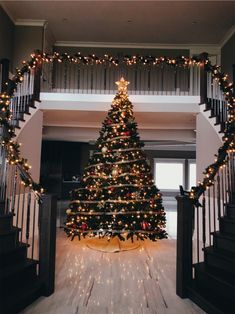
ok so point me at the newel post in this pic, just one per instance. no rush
(203, 78)
(185, 218)
(47, 242)
(37, 81)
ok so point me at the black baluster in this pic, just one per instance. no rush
(92, 78)
(65, 74)
(105, 76)
(78, 77)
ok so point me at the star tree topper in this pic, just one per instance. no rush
(122, 85)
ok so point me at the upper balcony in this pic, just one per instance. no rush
(77, 92)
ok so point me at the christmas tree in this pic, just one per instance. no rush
(117, 195)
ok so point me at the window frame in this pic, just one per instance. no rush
(170, 161)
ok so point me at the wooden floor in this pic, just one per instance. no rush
(141, 281)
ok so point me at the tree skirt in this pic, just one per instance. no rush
(113, 245)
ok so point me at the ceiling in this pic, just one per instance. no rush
(158, 22)
(145, 120)
(76, 125)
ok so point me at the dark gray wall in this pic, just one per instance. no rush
(6, 35)
(26, 40)
(228, 56)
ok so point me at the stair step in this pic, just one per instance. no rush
(14, 256)
(9, 239)
(6, 222)
(210, 303)
(17, 276)
(214, 282)
(16, 301)
(223, 260)
(227, 225)
(230, 211)
(223, 241)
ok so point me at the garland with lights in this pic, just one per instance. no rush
(37, 58)
(117, 196)
(11, 147)
(229, 133)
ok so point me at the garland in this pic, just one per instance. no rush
(228, 138)
(38, 58)
(92, 59)
(11, 147)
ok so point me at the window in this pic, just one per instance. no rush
(192, 174)
(169, 174)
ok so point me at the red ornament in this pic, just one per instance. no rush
(109, 121)
(127, 133)
(145, 225)
(84, 226)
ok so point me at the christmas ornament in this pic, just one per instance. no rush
(114, 172)
(68, 211)
(84, 226)
(104, 149)
(145, 225)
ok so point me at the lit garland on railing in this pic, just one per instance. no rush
(228, 138)
(92, 59)
(11, 147)
(181, 61)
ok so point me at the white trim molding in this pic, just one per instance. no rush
(227, 36)
(29, 22)
(195, 47)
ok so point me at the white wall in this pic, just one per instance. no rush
(207, 144)
(31, 139)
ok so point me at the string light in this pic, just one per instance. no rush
(37, 58)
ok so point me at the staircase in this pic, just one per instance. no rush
(20, 113)
(19, 282)
(27, 222)
(206, 220)
(213, 287)
(217, 109)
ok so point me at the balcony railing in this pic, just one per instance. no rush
(149, 79)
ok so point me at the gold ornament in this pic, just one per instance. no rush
(104, 149)
(114, 172)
